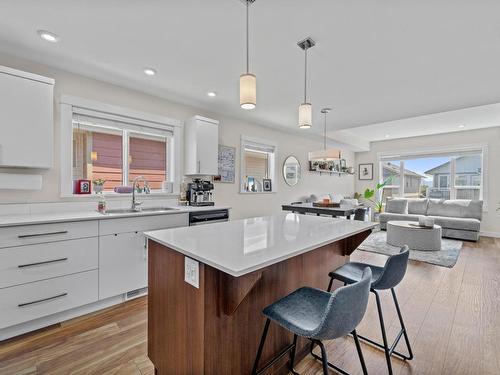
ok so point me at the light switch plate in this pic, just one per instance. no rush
(192, 272)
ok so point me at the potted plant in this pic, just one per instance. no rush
(374, 196)
(98, 185)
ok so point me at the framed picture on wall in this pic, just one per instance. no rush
(365, 171)
(266, 184)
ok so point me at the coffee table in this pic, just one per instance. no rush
(400, 233)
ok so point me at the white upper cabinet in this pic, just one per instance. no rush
(201, 146)
(26, 119)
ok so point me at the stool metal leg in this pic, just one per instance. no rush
(290, 348)
(384, 336)
(402, 332)
(329, 289)
(360, 353)
(292, 356)
(324, 358)
(403, 329)
(261, 346)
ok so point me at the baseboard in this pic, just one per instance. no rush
(490, 234)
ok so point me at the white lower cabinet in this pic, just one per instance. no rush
(123, 263)
(25, 264)
(123, 258)
(30, 301)
(48, 269)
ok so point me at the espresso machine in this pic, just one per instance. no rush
(199, 193)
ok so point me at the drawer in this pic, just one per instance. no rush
(143, 223)
(26, 302)
(40, 233)
(25, 264)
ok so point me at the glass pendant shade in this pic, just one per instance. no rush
(305, 115)
(248, 91)
(324, 155)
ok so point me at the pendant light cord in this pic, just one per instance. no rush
(324, 141)
(248, 53)
(305, 75)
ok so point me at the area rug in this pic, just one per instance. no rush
(446, 257)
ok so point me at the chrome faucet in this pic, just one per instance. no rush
(136, 206)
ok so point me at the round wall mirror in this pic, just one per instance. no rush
(291, 171)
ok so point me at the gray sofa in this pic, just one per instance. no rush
(459, 218)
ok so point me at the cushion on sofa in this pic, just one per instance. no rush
(417, 206)
(461, 208)
(389, 216)
(397, 206)
(457, 223)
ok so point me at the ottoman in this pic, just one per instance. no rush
(409, 233)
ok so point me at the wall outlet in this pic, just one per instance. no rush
(192, 272)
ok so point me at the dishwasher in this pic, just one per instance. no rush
(208, 217)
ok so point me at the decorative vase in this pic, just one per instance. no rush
(376, 216)
(98, 188)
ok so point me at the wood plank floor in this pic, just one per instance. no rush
(452, 315)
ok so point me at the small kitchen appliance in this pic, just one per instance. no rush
(199, 193)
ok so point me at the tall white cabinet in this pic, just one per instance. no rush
(26, 119)
(201, 149)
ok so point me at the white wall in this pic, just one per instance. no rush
(490, 136)
(229, 135)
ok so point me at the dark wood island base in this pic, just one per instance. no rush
(215, 330)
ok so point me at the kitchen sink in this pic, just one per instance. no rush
(157, 209)
(118, 211)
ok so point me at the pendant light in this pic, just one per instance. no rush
(248, 81)
(326, 154)
(305, 109)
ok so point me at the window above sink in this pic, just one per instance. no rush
(116, 145)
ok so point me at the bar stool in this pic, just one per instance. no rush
(384, 278)
(318, 315)
(360, 213)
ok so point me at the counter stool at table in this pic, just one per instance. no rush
(318, 315)
(383, 278)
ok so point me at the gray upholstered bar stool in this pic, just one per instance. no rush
(383, 278)
(360, 213)
(318, 315)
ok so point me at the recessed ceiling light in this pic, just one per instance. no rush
(387, 136)
(149, 71)
(461, 126)
(212, 94)
(48, 36)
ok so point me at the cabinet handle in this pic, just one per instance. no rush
(42, 263)
(42, 300)
(145, 249)
(41, 234)
(199, 166)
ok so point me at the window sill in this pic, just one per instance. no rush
(114, 195)
(258, 192)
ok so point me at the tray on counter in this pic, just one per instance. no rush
(326, 205)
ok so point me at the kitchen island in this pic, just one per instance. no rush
(209, 284)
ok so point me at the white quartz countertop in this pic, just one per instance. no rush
(242, 246)
(56, 217)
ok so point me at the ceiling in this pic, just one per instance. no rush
(374, 61)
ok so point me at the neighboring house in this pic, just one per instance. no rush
(412, 181)
(467, 178)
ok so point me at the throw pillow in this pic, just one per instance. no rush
(396, 206)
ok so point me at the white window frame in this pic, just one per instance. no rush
(481, 148)
(70, 105)
(255, 143)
